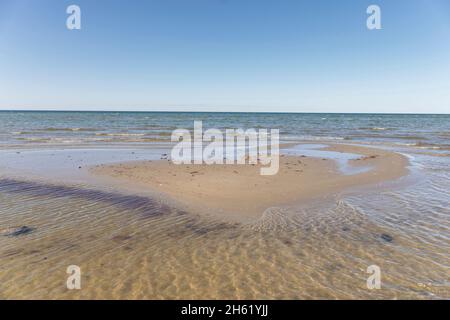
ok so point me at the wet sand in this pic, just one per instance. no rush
(131, 246)
(240, 192)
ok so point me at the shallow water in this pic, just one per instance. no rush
(341, 158)
(134, 246)
(131, 246)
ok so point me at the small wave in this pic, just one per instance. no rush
(152, 140)
(34, 139)
(51, 129)
(432, 146)
(315, 138)
(378, 136)
(422, 145)
(85, 129)
(56, 140)
(375, 128)
(121, 134)
(131, 140)
(155, 127)
(379, 128)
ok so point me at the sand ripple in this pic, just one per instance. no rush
(136, 247)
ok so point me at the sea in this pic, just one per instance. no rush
(132, 246)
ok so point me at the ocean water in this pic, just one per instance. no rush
(134, 246)
(71, 128)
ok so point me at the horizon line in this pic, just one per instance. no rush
(198, 111)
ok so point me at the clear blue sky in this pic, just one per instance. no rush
(226, 55)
